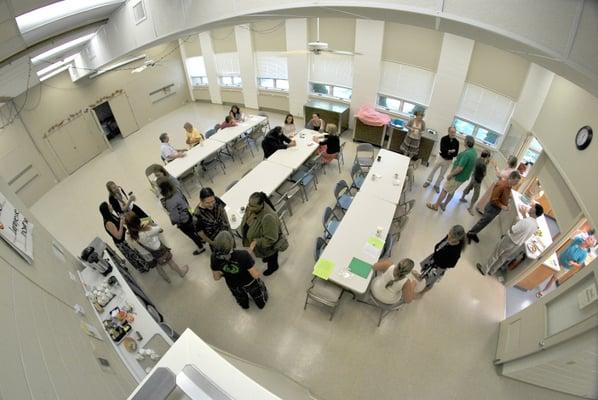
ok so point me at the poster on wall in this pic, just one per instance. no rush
(15, 229)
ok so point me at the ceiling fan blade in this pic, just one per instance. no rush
(342, 52)
(291, 52)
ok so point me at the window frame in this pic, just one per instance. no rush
(275, 81)
(401, 107)
(330, 90)
(203, 81)
(233, 85)
(477, 127)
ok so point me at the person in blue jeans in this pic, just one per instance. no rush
(574, 256)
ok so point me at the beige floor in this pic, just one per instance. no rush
(440, 347)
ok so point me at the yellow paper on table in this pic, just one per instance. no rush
(323, 268)
(376, 242)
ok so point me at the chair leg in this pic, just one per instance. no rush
(339, 165)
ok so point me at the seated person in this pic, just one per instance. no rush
(573, 257)
(228, 122)
(194, 137)
(235, 113)
(330, 145)
(289, 126)
(167, 152)
(276, 140)
(397, 284)
(316, 123)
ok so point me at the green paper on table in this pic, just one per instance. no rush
(359, 267)
(323, 268)
(376, 242)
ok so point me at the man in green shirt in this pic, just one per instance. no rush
(462, 168)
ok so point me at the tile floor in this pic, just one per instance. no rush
(439, 347)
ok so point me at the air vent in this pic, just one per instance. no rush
(139, 12)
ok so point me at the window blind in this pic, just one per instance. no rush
(485, 108)
(406, 82)
(227, 64)
(332, 69)
(196, 66)
(271, 65)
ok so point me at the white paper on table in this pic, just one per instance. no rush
(371, 252)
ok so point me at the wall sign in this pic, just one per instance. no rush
(15, 229)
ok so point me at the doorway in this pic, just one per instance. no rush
(107, 121)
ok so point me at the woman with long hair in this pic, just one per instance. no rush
(288, 128)
(416, 127)
(115, 227)
(122, 202)
(235, 113)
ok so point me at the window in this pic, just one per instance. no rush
(396, 105)
(229, 72)
(488, 112)
(339, 92)
(331, 76)
(533, 151)
(271, 69)
(410, 85)
(197, 71)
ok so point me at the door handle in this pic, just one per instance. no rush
(541, 344)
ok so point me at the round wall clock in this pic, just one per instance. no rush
(583, 137)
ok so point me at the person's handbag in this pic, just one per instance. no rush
(282, 243)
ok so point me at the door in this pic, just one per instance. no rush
(123, 113)
(66, 151)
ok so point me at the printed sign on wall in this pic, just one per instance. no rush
(15, 229)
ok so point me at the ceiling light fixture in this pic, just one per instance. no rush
(117, 65)
(62, 48)
(55, 72)
(58, 64)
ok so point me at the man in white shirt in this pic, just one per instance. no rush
(517, 235)
(167, 152)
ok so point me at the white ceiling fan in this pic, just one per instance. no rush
(319, 47)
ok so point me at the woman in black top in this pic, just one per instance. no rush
(115, 227)
(330, 145)
(275, 140)
(235, 112)
(121, 202)
(446, 255)
(210, 216)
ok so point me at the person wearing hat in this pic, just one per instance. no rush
(239, 271)
(416, 126)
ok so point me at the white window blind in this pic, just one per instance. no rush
(196, 66)
(271, 65)
(485, 108)
(227, 64)
(406, 82)
(332, 69)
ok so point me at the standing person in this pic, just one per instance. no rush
(178, 210)
(316, 123)
(160, 172)
(498, 201)
(239, 271)
(479, 172)
(194, 137)
(516, 236)
(461, 171)
(167, 152)
(276, 140)
(500, 176)
(235, 112)
(416, 126)
(288, 128)
(397, 284)
(228, 122)
(122, 202)
(147, 236)
(210, 216)
(261, 231)
(573, 257)
(115, 227)
(449, 148)
(445, 256)
(330, 145)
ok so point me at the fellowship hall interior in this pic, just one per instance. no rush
(326, 200)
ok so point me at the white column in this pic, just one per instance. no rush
(534, 92)
(369, 36)
(296, 34)
(450, 80)
(247, 65)
(187, 77)
(209, 58)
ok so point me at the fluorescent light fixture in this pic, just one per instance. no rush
(55, 11)
(117, 65)
(58, 64)
(55, 72)
(62, 48)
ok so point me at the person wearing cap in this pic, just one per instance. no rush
(516, 236)
(239, 271)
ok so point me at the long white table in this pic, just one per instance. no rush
(194, 156)
(365, 216)
(265, 177)
(295, 156)
(385, 185)
(227, 135)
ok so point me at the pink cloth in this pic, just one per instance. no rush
(369, 116)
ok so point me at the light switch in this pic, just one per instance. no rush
(587, 296)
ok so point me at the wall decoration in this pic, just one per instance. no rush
(15, 229)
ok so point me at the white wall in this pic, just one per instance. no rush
(533, 94)
(296, 34)
(247, 65)
(210, 62)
